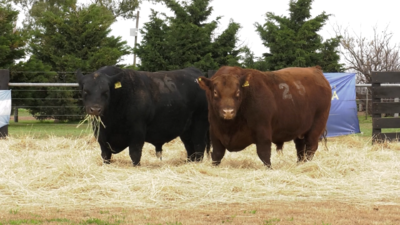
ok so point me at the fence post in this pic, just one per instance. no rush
(396, 114)
(16, 114)
(366, 104)
(376, 131)
(4, 79)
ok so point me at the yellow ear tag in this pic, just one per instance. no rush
(246, 84)
(200, 79)
(118, 85)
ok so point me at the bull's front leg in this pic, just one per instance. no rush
(135, 152)
(264, 152)
(218, 151)
(263, 145)
(136, 146)
(105, 152)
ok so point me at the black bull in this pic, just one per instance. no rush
(153, 107)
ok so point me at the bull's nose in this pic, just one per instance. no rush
(228, 113)
(95, 110)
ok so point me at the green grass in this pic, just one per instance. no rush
(46, 128)
(366, 127)
(43, 129)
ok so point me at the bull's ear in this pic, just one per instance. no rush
(245, 80)
(79, 76)
(204, 83)
(116, 79)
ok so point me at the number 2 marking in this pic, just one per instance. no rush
(285, 88)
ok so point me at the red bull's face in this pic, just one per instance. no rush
(224, 93)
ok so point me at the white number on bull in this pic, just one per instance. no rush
(300, 87)
(166, 85)
(285, 88)
(161, 85)
(170, 84)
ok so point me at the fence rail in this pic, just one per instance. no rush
(43, 84)
(380, 91)
(382, 87)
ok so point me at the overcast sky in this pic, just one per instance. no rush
(357, 15)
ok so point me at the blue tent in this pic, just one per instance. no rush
(343, 114)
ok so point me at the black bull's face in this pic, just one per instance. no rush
(96, 88)
(225, 93)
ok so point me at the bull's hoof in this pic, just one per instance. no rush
(195, 158)
(216, 163)
(159, 155)
(106, 161)
(136, 164)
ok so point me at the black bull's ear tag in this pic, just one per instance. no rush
(118, 85)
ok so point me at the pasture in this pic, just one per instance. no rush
(60, 179)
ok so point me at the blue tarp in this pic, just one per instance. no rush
(343, 114)
(5, 107)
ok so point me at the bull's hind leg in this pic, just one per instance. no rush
(279, 148)
(311, 141)
(300, 148)
(158, 150)
(195, 145)
(195, 137)
(313, 135)
(311, 148)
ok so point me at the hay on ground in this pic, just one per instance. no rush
(62, 172)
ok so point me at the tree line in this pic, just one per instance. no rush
(59, 36)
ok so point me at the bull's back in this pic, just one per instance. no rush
(300, 96)
(177, 97)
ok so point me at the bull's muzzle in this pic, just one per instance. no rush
(228, 114)
(94, 110)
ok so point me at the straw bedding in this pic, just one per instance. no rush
(68, 173)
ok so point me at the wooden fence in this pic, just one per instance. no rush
(380, 92)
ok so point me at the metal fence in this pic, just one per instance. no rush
(363, 102)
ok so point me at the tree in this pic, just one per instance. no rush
(12, 41)
(119, 8)
(63, 39)
(365, 55)
(186, 39)
(294, 41)
(252, 62)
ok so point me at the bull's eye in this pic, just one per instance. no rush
(85, 92)
(105, 93)
(215, 93)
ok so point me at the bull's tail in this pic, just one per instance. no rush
(323, 136)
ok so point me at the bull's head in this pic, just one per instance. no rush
(96, 90)
(225, 93)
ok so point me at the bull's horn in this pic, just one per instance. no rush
(78, 74)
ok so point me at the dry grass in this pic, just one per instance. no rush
(68, 173)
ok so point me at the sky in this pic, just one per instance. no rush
(358, 16)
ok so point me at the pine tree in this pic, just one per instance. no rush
(66, 37)
(12, 41)
(294, 40)
(187, 39)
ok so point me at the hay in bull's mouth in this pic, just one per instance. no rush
(93, 123)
